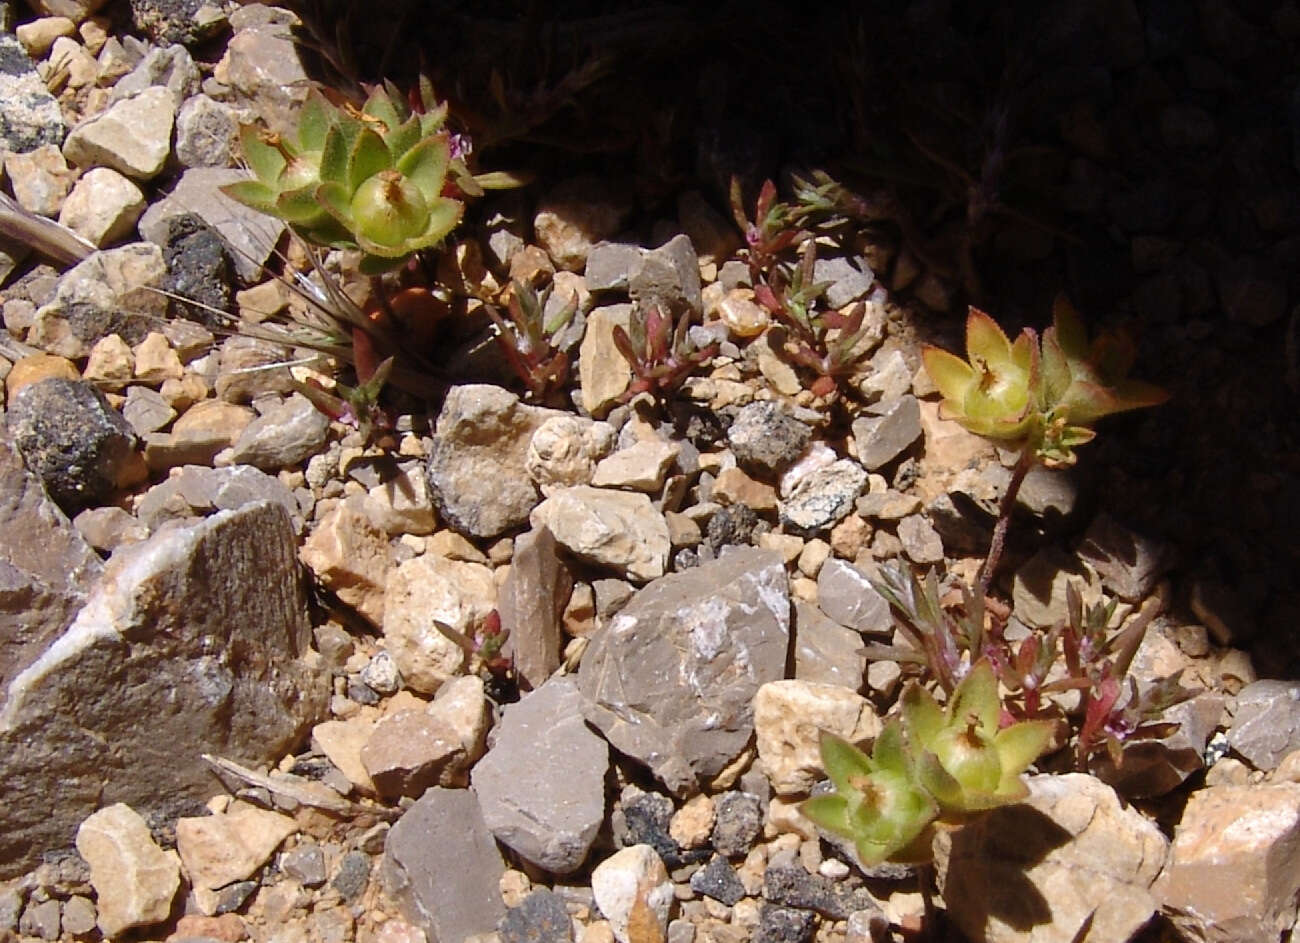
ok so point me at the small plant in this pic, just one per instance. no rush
(483, 649)
(528, 340)
(827, 342)
(660, 353)
(1046, 396)
(937, 764)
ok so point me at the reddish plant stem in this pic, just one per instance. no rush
(1005, 510)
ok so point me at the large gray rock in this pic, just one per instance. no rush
(846, 595)
(46, 568)
(477, 474)
(188, 645)
(670, 679)
(1066, 863)
(442, 867)
(1267, 723)
(542, 785)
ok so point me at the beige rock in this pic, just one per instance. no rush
(743, 316)
(103, 207)
(461, 704)
(133, 136)
(788, 718)
(401, 505)
(407, 752)
(36, 367)
(639, 467)
(134, 880)
(183, 393)
(39, 35)
(220, 849)
(574, 216)
(449, 544)
(733, 486)
(72, 60)
(948, 449)
(111, 362)
(262, 301)
(602, 371)
(1068, 858)
(40, 178)
(351, 556)
(789, 546)
(692, 824)
(156, 361)
(615, 528)
(1234, 869)
(426, 590)
(630, 886)
(342, 742)
(205, 429)
(565, 449)
(1038, 591)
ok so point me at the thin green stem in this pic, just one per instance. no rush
(1005, 510)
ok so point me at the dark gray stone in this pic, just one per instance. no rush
(670, 679)
(792, 886)
(442, 867)
(31, 116)
(198, 267)
(731, 526)
(540, 918)
(718, 880)
(233, 896)
(784, 925)
(353, 875)
(737, 824)
(305, 863)
(173, 21)
(766, 439)
(72, 439)
(647, 817)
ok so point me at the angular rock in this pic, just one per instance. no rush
(670, 679)
(641, 466)
(846, 595)
(442, 867)
(46, 567)
(632, 890)
(191, 637)
(542, 785)
(476, 467)
(1266, 726)
(921, 542)
(407, 752)
(40, 179)
(1234, 867)
(766, 438)
(177, 21)
(428, 589)
(195, 491)
(619, 529)
(788, 716)
(135, 880)
(199, 267)
(738, 823)
(574, 216)
(207, 133)
(792, 886)
(784, 925)
(73, 440)
(850, 279)
(262, 68)
(400, 504)
(669, 277)
(603, 372)
(110, 292)
(531, 605)
(609, 265)
(31, 117)
(171, 68)
(1129, 565)
(1038, 589)
(102, 207)
(824, 651)
(351, 556)
(1155, 767)
(132, 137)
(284, 435)
(1067, 858)
(231, 846)
(823, 497)
(145, 409)
(886, 431)
(250, 235)
(541, 918)
(718, 880)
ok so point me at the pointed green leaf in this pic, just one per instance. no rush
(952, 375)
(252, 194)
(314, 121)
(266, 162)
(334, 156)
(922, 715)
(938, 782)
(830, 812)
(425, 165)
(985, 340)
(336, 201)
(403, 137)
(888, 752)
(976, 698)
(842, 761)
(368, 157)
(299, 206)
(381, 106)
(1055, 371)
(1022, 743)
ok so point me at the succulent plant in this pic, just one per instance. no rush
(963, 757)
(660, 354)
(877, 802)
(374, 178)
(1047, 394)
(528, 339)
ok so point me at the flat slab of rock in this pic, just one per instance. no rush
(134, 880)
(1267, 722)
(442, 867)
(670, 680)
(1234, 868)
(788, 716)
(542, 785)
(1067, 857)
(191, 638)
(477, 475)
(531, 604)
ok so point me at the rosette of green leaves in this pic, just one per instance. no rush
(960, 753)
(877, 802)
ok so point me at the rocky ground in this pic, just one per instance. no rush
(228, 712)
